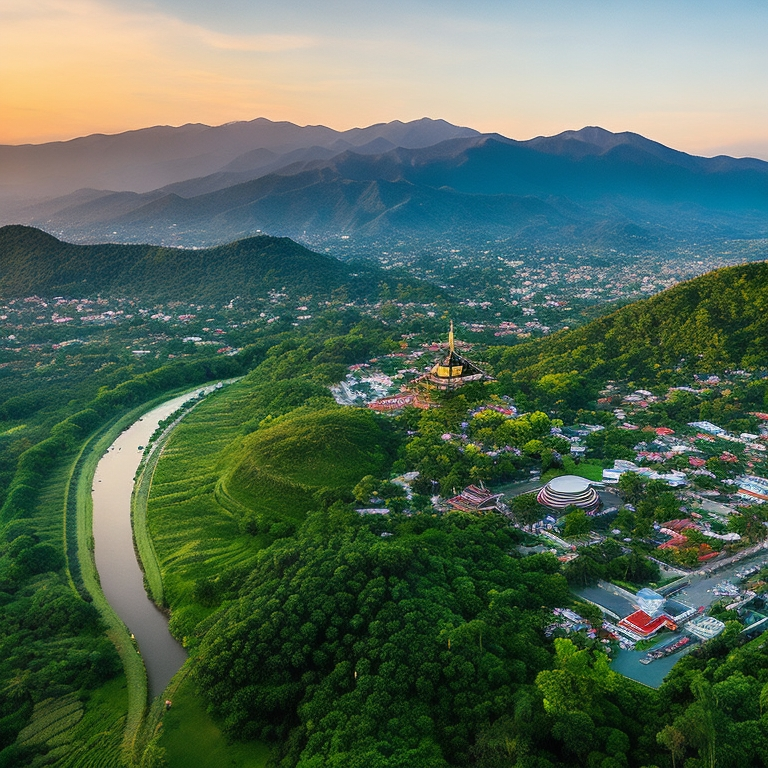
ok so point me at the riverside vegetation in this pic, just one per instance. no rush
(329, 638)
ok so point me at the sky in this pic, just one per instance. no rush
(691, 74)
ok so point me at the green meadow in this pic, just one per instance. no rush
(234, 476)
(190, 737)
(195, 537)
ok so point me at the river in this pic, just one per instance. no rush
(122, 580)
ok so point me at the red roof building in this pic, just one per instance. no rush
(678, 525)
(401, 400)
(640, 623)
(474, 499)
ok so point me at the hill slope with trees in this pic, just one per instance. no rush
(713, 322)
(33, 262)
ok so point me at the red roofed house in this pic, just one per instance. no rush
(678, 525)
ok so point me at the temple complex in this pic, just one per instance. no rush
(454, 370)
(448, 374)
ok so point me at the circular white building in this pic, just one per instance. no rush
(569, 491)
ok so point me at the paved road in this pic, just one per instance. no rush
(517, 489)
(700, 590)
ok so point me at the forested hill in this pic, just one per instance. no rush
(33, 262)
(713, 322)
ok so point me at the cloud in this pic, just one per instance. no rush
(251, 43)
(70, 67)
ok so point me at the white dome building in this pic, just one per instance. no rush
(569, 491)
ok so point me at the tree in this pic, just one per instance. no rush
(672, 739)
(583, 571)
(752, 523)
(631, 487)
(764, 700)
(533, 448)
(526, 509)
(589, 612)
(625, 521)
(549, 459)
(697, 723)
(367, 486)
(576, 523)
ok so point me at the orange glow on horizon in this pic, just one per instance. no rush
(76, 67)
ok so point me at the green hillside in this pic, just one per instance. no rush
(713, 322)
(305, 451)
(243, 469)
(33, 262)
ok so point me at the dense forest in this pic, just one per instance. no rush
(424, 648)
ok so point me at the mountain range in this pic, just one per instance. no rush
(426, 178)
(149, 158)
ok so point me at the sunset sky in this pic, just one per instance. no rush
(691, 74)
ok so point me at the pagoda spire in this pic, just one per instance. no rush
(450, 338)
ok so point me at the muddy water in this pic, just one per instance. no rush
(119, 571)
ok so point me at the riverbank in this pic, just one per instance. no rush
(145, 549)
(120, 575)
(80, 548)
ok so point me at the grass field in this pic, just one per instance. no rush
(212, 475)
(285, 462)
(591, 469)
(191, 738)
(194, 536)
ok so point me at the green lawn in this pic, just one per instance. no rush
(213, 474)
(591, 469)
(285, 462)
(192, 739)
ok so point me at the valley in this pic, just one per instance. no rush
(364, 563)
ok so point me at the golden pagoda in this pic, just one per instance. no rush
(454, 370)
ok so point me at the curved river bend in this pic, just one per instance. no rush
(122, 580)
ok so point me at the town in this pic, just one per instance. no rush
(659, 523)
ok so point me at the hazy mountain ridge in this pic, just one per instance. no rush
(149, 158)
(589, 186)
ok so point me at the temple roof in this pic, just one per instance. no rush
(454, 369)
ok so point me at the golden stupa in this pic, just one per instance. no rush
(454, 370)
